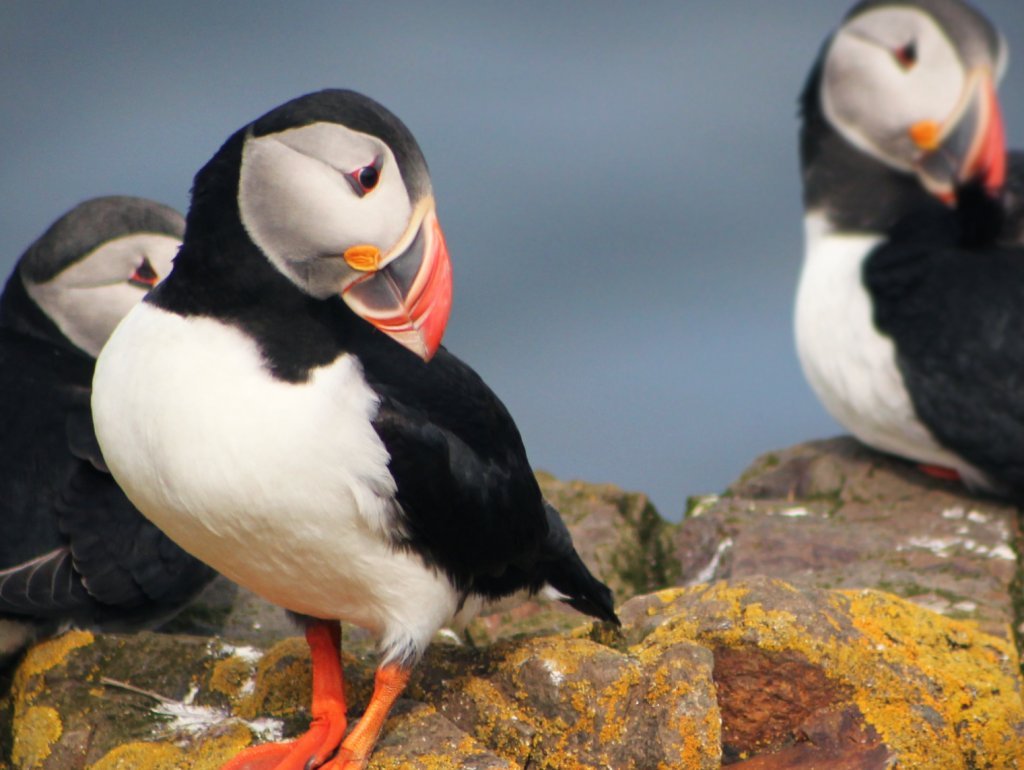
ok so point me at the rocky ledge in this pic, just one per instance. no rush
(833, 609)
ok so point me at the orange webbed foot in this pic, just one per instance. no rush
(940, 472)
(319, 743)
(354, 754)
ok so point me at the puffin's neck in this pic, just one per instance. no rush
(20, 313)
(219, 273)
(229, 279)
(854, 191)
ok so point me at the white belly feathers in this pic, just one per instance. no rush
(849, 364)
(248, 472)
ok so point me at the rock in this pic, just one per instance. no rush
(833, 514)
(786, 660)
(851, 678)
(756, 673)
(619, 535)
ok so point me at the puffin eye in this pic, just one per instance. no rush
(364, 179)
(144, 275)
(906, 56)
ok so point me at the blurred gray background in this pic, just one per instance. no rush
(617, 183)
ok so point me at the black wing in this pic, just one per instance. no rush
(953, 302)
(1012, 200)
(469, 500)
(73, 546)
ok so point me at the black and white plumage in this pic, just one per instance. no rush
(73, 549)
(912, 273)
(295, 428)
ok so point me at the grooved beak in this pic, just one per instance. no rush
(969, 147)
(407, 294)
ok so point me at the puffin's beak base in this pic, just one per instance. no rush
(410, 297)
(970, 146)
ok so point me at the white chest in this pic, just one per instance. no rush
(848, 363)
(282, 487)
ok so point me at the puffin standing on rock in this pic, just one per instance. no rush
(73, 550)
(910, 309)
(282, 408)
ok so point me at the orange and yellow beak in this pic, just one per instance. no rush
(968, 147)
(407, 294)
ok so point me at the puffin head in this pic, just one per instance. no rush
(97, 261)
(913, 84)
(335, 192)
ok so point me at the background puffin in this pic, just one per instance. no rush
(72, 548)
(911, 297)
(298, 426)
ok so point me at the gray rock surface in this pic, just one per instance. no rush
(769, 653)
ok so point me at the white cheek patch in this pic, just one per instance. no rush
(302, 212)
(872, 100)
(88, 299)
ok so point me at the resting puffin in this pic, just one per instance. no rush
(911, 298)
(282, 408)
(73, 550)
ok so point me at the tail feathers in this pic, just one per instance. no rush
(580, 589)
(567, 574)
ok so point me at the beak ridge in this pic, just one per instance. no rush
(409, 297)
(970, 146)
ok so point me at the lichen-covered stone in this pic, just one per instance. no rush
(924, 690)
(419, 738)
(834, 514)
(754, 672)
(621, 538)
(564, 702)
(757, 673)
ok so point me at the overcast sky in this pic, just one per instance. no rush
(617, 183)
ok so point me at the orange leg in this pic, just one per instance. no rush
(313, 748)
(938, 472)
(388, 684)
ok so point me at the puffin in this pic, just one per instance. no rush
(281, 407)
(73, 550)
(911, 292)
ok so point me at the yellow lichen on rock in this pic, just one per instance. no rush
(282, 681)
(35, 732)
(45, 656)
(938, 691)
(214, 752)
(53, 652)
(151, 756)
(230, 675)
(36, 728)
(210, 754)
(969, 680)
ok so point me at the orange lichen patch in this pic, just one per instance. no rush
(35, 732)
(283, 682)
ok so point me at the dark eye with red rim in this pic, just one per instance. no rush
(907, 55)
(144, 276)
(365, 179)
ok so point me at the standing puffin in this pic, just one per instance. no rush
(282, 408)
(911, 300)
(73, 550)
